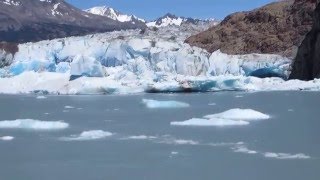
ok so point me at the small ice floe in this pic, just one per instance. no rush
(6, 138)
(65, 111)
(210, 122)
(68, 107)
(240, 114)
(290, 110)
(88, 135)
(170, 140)
(233, 117)
(41, 97)
(152, 104)
(212, 104)
(174, 153)
(31, 124)
(285, 156)
(141, 137)
(238, 96)
(241, 148)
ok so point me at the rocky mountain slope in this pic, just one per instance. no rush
(34, 20)
(307, 63)
(276, 28)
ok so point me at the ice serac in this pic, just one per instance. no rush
(306, 65)
(277, 28)
(86, 66)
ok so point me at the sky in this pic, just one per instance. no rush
(152, 9)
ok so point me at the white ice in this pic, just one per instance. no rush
(232, 117)
(31, 124)
(210, 122)
(41, 97)
(286, 156)
(158, 61)
(152, 104)
(241, 148)
(88, 135)
(141, 137)
(240, 114)
(6, 138)
(68, 107)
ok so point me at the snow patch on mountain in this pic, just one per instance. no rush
(113, 14)
(172, 20)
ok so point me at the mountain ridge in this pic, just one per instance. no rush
(34, 20)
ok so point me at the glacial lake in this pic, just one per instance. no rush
(139, 142)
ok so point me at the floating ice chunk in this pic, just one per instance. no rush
(212, 104)
(141, 137)
(6, 138)
(233, 117)
(164, 104)
(41, 97)
(210, 122)
(68, 107)
(285, 156)
(33, 124)
(174, 153)
(88, 135)
(240, 148)
(240, 114)
(169, 140)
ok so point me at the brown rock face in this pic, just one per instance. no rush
(276, 28)
(306, 65)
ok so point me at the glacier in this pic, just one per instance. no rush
(132, 61)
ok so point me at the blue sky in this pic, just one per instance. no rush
(151, 9)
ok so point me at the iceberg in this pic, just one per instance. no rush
(141, 137)
(6, 138)
(210, 122)
(232, 117)
(31, 124)
(88, 135)
(286, 156)
(240, 114)
(152, 104)
(41, 97)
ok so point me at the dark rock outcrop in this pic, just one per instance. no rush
(7, 52)
(306, 65)
(277, 28)
(35, 20)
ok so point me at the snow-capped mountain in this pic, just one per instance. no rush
(173, 20)
(20, 19)
(114, 14)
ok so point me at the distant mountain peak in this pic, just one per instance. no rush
(170, 19)
(113, 14)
